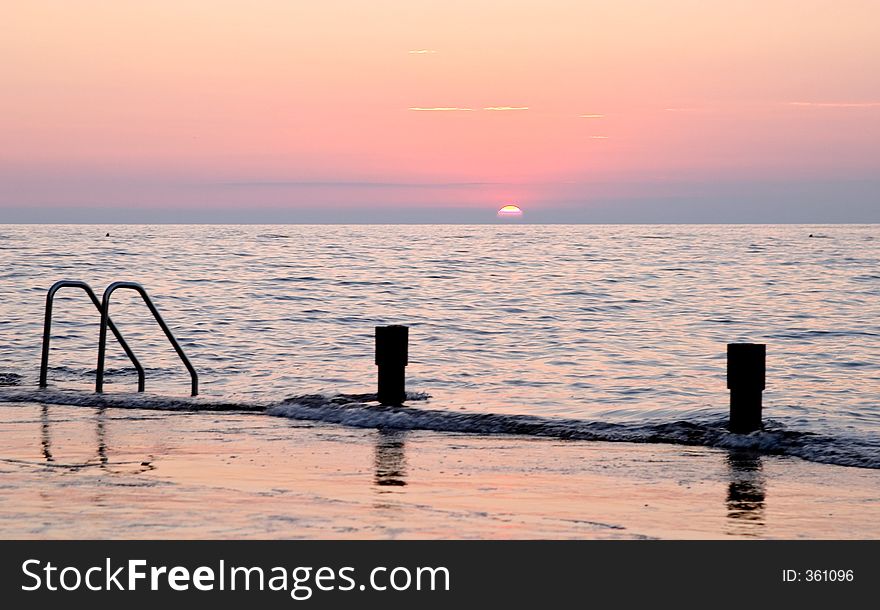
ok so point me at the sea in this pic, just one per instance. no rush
(577, 332)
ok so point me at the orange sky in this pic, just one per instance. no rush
(284, 103)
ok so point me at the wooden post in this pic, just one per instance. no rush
(746, 373)
(392, 358)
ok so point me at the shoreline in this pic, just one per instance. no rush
(84, 472)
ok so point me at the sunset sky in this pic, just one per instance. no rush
(286, 110)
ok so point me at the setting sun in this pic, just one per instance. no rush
(510, 210)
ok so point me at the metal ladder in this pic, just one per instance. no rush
(104, 307)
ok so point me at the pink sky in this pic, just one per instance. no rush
(283, 104)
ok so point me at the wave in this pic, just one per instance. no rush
(774, 439)
(362, 411)
(10, 379)
(125, 401)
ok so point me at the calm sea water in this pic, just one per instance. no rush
(608, 332)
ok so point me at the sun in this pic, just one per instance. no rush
(510, 211)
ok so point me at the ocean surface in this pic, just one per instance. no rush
(578, 332)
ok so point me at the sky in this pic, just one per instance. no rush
(439, 111)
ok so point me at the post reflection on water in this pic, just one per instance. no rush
(746, 493)
(390, 458)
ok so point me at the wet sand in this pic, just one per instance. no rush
(81, 472)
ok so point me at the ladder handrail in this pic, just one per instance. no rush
(105, 322)
(47, 330)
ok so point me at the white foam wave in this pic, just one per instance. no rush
(362, 411)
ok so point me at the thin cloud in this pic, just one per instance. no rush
(354, 184)
(441, 109)
(421, 51)
(505, 108)
(598, 137)
(837, 104)
(591, 116)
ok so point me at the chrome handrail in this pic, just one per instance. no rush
(105, 322)
(47, 330)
